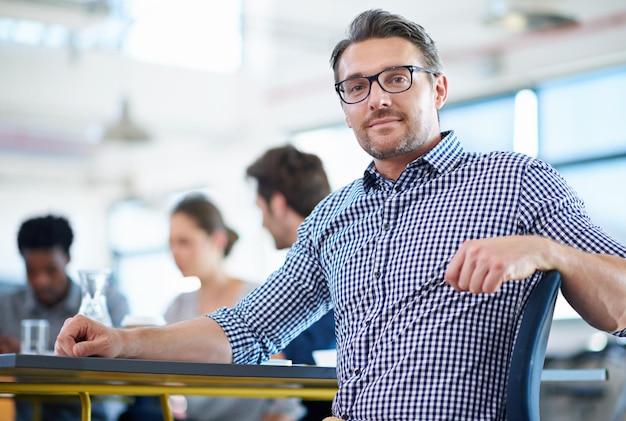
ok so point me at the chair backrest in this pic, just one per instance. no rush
(529, 351)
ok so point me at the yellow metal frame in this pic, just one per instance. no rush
(85, 390)
(317, 393)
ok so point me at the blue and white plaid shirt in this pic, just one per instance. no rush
(409, 346)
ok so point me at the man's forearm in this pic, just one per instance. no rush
(594, 285)
(179, 342)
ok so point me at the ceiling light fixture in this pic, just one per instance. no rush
(125, 128)
(525, 16)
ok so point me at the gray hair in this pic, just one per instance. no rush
(378, 23)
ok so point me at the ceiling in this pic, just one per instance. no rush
(306, 32)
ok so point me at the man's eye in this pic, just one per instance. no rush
(396, 80)
(355, 87)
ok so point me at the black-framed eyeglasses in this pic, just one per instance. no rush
(393, 80)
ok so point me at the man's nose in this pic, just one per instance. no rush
(40, 279)
(378, 97)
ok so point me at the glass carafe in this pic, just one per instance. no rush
(94, 303)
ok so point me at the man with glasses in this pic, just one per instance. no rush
(427, 260)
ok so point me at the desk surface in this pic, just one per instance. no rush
(19, 373)
(49, 374)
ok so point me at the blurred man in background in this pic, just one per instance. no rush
(289, 185)
(44, 244)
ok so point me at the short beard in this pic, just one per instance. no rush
(408, 143)
(404, 146)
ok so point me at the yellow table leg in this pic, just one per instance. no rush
(85, 405)
(37, 409)
(165, 408)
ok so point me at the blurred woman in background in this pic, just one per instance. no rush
(200, 241)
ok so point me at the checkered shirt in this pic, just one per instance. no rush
(409, 346)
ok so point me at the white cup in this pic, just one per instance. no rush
(325, 357)
(34, 339)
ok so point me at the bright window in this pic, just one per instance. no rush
(203, 35)
(482, 126)
(583, 117)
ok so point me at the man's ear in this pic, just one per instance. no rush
(441, 91)
(65, 254)
(348, 122)
(278, 204)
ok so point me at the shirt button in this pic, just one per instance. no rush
(368, 322)
(397, 188)
(357, 371)
(345, 416)
(386, 226)
(377, 274)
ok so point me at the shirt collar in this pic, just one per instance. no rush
(443, 158)
(445, 155)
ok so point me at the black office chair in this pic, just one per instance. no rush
(529, 351)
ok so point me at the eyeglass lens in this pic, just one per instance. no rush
(394, 80)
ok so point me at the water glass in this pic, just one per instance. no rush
(34, 338)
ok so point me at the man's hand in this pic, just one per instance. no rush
(483, 265)
(9, 345)
(83, 337)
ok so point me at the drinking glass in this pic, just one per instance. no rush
(34, 337)
(94, 283)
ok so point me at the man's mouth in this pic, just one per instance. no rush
(382, 118)
(383, 121)
(44, 296)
